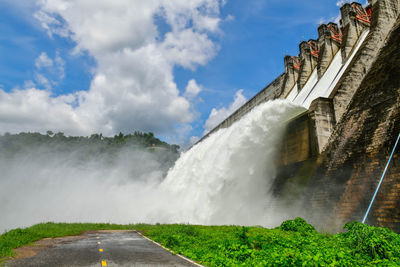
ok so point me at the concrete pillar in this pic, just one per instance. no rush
(297, 143)
(351, 27)
(292, 68)
(308, 63)
(323, 121)
(383, 12)
(329, 43)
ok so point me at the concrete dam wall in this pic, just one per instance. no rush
(333, 155)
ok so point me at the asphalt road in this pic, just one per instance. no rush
(104, 248)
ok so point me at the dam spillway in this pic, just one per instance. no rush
(331, 156)
(317, 70)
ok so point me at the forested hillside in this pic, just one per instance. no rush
(89, 148)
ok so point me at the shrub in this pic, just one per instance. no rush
(376, 242)
(297, 225)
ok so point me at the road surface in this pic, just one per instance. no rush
(102, 248)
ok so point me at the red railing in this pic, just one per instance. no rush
(314, 49)
(336, 35)
(362, 14)
(296, 63)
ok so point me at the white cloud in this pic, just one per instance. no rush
(60, 65)
(43, 61)
(335, 19)
(340, 3)
(48, 67)
(192, 89)
(37, 111)
(207, 23)
(133, 85)
(52, 24)
(219, 115)
(229, 18)
(42, 81)
(188, 48)
(29, 84)
(203, 14)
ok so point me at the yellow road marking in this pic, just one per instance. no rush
(99, 243)
(103, 263)
(100, 249)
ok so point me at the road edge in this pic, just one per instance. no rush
(169, 250)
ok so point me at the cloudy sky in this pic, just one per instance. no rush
(173, 67)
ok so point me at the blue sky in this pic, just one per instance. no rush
(62, 71)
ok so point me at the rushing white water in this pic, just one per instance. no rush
(226, 178)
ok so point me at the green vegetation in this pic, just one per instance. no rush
(79, 150)
(12, 143)
(294, 243)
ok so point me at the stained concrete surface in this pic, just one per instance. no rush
(119, 248)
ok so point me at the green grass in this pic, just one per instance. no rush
(294, 243)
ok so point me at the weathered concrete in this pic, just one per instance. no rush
(307, 135)
(361, 145)
(292, 68)
(351, 27)
(384, 16)
(323, 121)
(298, 145)
(329, 45)
(308, 62)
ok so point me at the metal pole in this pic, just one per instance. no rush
(380, 182)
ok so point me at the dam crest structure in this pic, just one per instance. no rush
(348, 82)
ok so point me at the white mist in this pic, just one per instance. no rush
(225, 179)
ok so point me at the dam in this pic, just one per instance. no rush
(333, 154)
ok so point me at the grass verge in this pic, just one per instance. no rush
(294, 243)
